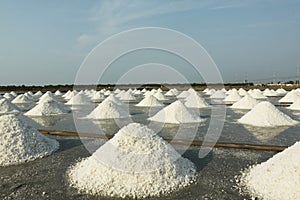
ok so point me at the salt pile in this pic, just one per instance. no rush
(98, 96)
(149, 101)
(266, 114)
(79, 99)
(108, 110)
(295, 105)
(176, 113)
(135, 163)
(269, 93)
(219, 94)
(7, 107)
(194, 100)
(58, 93)
(183, 94)
(277, 178)
(290, 97)
(172, 93)
(281, 92)
(8, 96)
(38, 94)
(48, 96)
(21, 143)
(160, 96)
(21, 99)
(233, 96)
(247, 102)
(242, 92)
(126, 96)
(47, 108)
(256, 94)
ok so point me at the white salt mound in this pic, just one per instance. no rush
(256, 94)
(247, 102)
(176, 113)
(295, 105)
(183, 94)
(135, 163)
(219, 94)
(8, 96)
(79, 99)
(277, 178)
(108, 110)
(21, 99)
(194, 100)
(149, 101)
(233, 96)
(20, 143)
(290, 97)
(160, 96)
(266, 114)
(6, 107)
(47, 108)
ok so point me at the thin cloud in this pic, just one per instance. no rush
(111, 17)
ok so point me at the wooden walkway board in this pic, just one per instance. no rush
(180, 142)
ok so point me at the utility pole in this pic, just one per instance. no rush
(298, 72)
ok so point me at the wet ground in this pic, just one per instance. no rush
(45, 178)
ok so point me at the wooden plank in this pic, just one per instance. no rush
(179, 142)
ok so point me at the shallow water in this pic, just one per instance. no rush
(45, 178)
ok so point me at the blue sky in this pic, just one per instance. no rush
(45, 42)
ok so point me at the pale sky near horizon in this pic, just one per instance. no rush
(45, 42)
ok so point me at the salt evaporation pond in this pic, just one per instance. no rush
(215, 173)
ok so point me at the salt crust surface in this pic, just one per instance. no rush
(266, 114)
(126, 148)
(20, 143)
(176, 113)
(277, 178)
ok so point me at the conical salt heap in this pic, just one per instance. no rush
(294, 106)
(290, 97)
(108, 110)
(160, 96)
(233, 96)
(149, 101)
(8, 96)
(48, 108)
(6, 107)
(98, 96)
(183, 94)
(266, 114)
(20, 143)
(79, 99)
(176, 113)
(135, 163)
(48, 96)
(194, 100)
(277, 178)
(126, 96)
(247, 102)
(21, 99)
